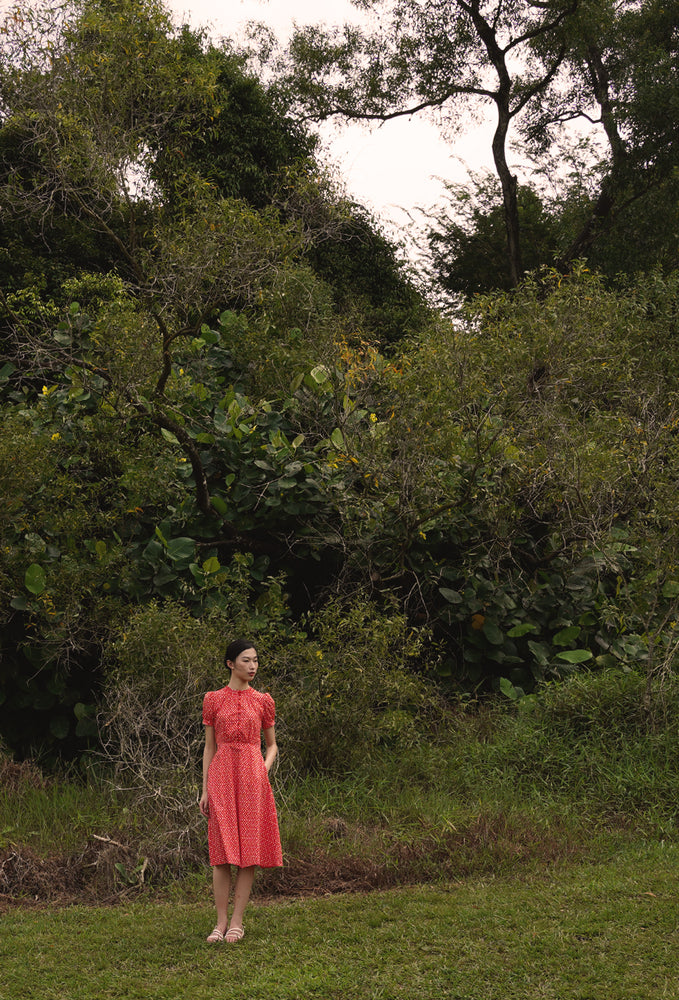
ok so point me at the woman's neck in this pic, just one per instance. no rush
(237, 685)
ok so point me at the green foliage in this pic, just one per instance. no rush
(352, 688)
(236, 135)
(200, 433)
(368, 280)
(614, 702)
(529, 446)
(467, 240)
(445, 60)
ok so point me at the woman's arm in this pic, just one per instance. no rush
(271, 747)
(208, 753)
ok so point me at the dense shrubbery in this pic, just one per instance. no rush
(203, 436)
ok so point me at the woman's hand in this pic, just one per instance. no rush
(204, 807)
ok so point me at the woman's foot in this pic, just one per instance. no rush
(234, 934)
(215, 936)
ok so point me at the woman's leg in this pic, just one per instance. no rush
(241, 894)
(221, 886)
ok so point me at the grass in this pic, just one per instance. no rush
(497, 790)
(64, 813)
(586, 931)
(526, 855)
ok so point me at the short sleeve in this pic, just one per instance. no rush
(209, 709)
(268, 712)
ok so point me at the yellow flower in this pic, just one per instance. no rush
(56, 436)
(373, 417)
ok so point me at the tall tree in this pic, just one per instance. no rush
(619, 75)
(542, 65)
(442, 58)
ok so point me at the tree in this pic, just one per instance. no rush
(370, 283)
(620, 75)
(173, 379)
(438, 58)
(467, 243)
(543, 65)
(115, 267)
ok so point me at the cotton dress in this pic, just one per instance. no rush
(242, 822)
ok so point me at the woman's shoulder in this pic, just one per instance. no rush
(212, 696)
(263, 698)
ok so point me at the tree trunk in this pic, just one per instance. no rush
(509, 201)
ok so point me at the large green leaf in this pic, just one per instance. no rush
(452, 596)
(337, 439)
(180, 548)
(320, 374)
(493, 633)
(523, 629)
(566, 636)
(35, 579)
(169, 436)
(574, 655)
(218, 505)
(540, 651)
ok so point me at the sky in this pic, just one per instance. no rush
(395, 168)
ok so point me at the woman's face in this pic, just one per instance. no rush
(244, 667)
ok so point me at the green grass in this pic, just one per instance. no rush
(581, 774)
(539, 855)
(60, 816)
(584, 931)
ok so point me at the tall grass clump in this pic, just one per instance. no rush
(595, 743)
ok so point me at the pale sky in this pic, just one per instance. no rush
(394, 168)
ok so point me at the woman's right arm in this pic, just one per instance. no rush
(208, 753)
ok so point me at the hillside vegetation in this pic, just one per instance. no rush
(229, 408)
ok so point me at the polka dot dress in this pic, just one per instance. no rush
(242, 825)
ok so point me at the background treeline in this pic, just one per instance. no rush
(229, 407)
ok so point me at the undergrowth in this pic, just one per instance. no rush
(503, 786)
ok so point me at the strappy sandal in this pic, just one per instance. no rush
(215, 936)
(234, 934)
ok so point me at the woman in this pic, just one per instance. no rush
(237, 797)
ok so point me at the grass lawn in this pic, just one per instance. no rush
(591, 931)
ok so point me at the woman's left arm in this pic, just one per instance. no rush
(271, 747)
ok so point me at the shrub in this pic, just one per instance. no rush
(615, 702)
(341, 695)
(352, 688)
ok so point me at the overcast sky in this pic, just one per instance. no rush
(392, 168)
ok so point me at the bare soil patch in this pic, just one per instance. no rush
(107, 870)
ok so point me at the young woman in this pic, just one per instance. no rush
(237, 797)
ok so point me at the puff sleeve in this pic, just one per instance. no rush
(209, 709)
(268, 712)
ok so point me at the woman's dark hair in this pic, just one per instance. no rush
(235, 648)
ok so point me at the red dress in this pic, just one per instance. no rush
(242, 824)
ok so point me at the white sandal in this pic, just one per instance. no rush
(234, 934)
(215, 936)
